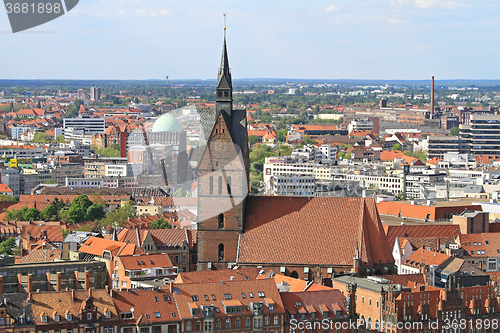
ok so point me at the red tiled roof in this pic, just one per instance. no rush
(304, 222)
(426, 257)
(234, 288)
(315, 302)
(239, 274)
(145, 304)
(145, 261)
(97, 246)
(4, 188)
(420, 231)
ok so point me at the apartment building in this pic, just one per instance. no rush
(482, 134)
(88, 125)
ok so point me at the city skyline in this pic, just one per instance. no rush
(385, 40)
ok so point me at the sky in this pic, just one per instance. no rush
(296, 39)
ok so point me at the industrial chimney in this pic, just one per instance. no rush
(432, 98)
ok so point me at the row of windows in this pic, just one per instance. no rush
(208, 325)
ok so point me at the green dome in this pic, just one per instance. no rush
(167, 123)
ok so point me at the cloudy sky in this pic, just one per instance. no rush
(314, 39)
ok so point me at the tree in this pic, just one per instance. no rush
(49, 181)
(32, 214)
(78, 210)
(60, 138)
(107, 152)
(129, 209)
(95, 212)
(397, 146)
(38, 105)
(308, 141)
(7, 245)
(49, 213)
(401, 196)
(253, 139)
(281, 135)
(116, 218)
(455, 131)
(160, 223)
(41, 137)
(8, 198)
(65, 233)
(58, 205)
(181, 193)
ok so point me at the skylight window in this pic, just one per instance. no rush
(166, 298)
(206, 297)
(213, 297)
(157, 299)
(194, 298)
(142, 262)
(227, 296)
(250, 294)
(298, 303)
(157, 315)
(261, 293)
(243, 295)
(151, 261)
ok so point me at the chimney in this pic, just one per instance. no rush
(30, 297)
(172, 287)
(432, 97)
(72, 293)
(90, 292)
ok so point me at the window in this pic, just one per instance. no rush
(228, 323)
(2, 321)
(266, 321)
(166, 298)
(370, 301)
(157, 299)
(227, 296)
(198, 326)
(260, 293)
(363, 300)
(194, 312)
(208, 326)
(250, 294)
(124, 284)
(89, 315)
(220, 185)
(298, 303)
(377, 304)
(213, 297)
(276, 321)
(188, 326)
(176, 258)
(57, 318)
(108, 314)
(217, 325)
(44, 319)
(247, 322)
(110, 330)
(194, 298)
(69, 317)
(220, 221)
(144, 330)
(157, 315)
(211, 185)
(237, 323)
(221, 252)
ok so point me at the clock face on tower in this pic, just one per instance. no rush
(220, 147)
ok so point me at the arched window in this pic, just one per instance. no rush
(211, 185)
(220, 185)
(221, 252)
(220, 221)
(229, 185)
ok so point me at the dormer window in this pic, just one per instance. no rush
(44, 319)
(326, 314)
(313, 315)
(302, 316)
(108, 314)
(69, 317)
(271, 307)
(57, 318)
(89, 315)
(194, 312)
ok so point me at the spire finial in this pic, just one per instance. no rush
(224, 26)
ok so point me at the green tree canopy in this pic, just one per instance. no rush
(41, 137)
(7, 245)
(160, 223)
(455, 131)
(95, 212)
(78, 210)
(397, 146)
(49, 213)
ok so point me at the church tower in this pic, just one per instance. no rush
(223, 171)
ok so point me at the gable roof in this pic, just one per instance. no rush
(145, 304)
(145, 261)
(420, 231)
(96, 246)
(301, 224)
(426, 257)
(317, 302)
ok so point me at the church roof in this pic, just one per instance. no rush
(319, 230)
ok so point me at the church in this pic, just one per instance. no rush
(309, 238)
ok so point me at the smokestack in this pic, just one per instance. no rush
(432, 97)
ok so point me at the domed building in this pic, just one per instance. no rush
(167, 123)
(167, 137)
